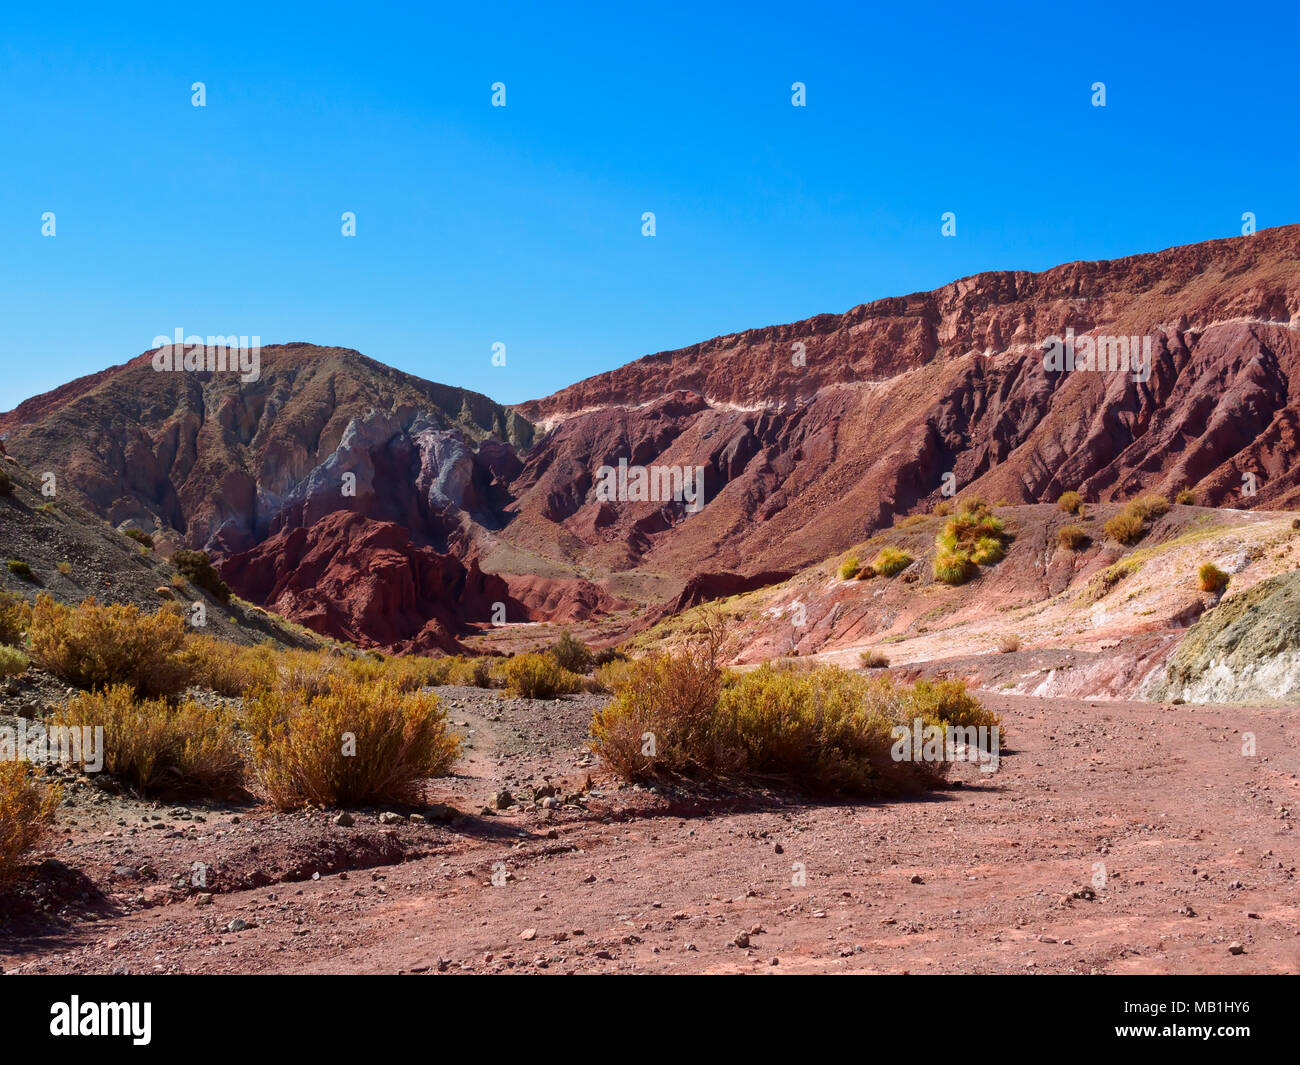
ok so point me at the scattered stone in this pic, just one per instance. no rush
(1236, 948)
(344, 820)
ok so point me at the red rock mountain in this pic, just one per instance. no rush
(813, 435)
(808, 437)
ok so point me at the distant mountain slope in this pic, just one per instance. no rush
(225, 463)
(802, 459)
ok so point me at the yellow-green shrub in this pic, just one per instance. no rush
(1127, 527)
(671, 698)
(1186, 497)
(27, 808)
(1211, 578)
(15, 617)
(1071, 502)
(954, 567)
(849, 568)
(1072, 537)
(12, 661)
(93, 646)
(157, 748)
(825, 729)
(1149, 507)
(357, 743)
(948, 701)
(891, 560)
(534, 676)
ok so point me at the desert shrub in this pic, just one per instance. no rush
(949, 701)
(1186, 497)
(65, 568)
(12, 661)
(942, 509)
(571, 653)
(873, 659)
(1072, 537)
(140, 537)
(19, 568)
(534, 676)
(1071, 502)
(197, 568)
(891, 560)
(671, 699)
(15, 617)
(226, 668)
(1211, 578)
(607, 655)
(849, 568)
(825, 729)
(1126, 527)
(27, 808)
(1149, 507)
(976, 506)
(1008, 643)
(954, 567)
(610, 675)
(355, 744)
(93, 646)
(189, 749)
(6, 485)
(476, 672)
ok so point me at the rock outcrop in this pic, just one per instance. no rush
(1247, 649)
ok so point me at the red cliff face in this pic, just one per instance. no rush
(815, 434)
(362, 580)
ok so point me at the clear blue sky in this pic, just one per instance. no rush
(523, 224)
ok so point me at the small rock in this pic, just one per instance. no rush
(344, 820)
(528, 934)
(742, 939)
(1236, 948)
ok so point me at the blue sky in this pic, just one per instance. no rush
(522, 224)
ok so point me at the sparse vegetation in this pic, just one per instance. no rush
(15, 616)
(534, 676)
(849, 568)
(972, 538)
(1149, 507)
(140, 537)
(27, 809)
(1070, 502)
(12, 661)
(891, 560)
(873, 659)
(190, 749)
(96, 646)
(1210, 578)
(1073, 537)
(1186, 497)
(19, 568)
(197, 568)
(65, 568)
(358, 742)
(821, 727)
(571, 654)
(1127, 527)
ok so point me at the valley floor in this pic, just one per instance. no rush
(1118, 837)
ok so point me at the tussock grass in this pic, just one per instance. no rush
(1210, 578)
(1070, 502)
(1073, 537)
(891, 560)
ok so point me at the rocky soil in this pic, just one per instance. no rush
(1117, 837)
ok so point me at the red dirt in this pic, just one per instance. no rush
(1195, 838)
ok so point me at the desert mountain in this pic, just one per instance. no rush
(423, 506)
(814, 435)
